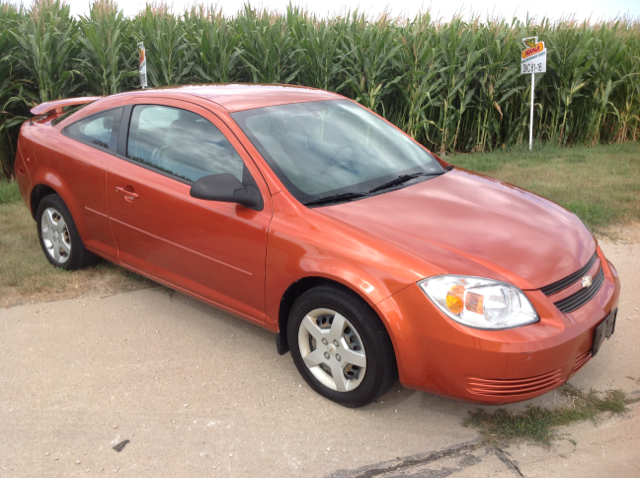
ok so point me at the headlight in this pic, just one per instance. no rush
(479, 302)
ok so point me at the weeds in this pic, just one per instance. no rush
(537, 423)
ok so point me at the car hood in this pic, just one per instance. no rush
(465, 223)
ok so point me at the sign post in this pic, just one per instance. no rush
(533, 60)
(142, 67)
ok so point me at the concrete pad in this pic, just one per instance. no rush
(198, 392)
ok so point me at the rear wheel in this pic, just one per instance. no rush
(340, 346)
(59, 237)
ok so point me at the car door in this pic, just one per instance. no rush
(211, 249)
(84, 163)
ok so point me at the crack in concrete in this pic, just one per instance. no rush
(389, 467)
(500, 454)
(401, 467)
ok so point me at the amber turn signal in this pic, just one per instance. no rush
(455, 299)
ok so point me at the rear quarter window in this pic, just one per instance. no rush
(99, 130)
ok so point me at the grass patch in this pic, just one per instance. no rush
(601, 184)
(26, 275)
(9, 192)
(537, 423)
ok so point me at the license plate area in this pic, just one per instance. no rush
(604, 331)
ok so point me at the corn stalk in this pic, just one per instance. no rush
(108, 55)
(453, 85)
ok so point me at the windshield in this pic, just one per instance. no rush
(329, 148)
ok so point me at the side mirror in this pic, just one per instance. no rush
(229, 189)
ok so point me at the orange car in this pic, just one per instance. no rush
(301, 211)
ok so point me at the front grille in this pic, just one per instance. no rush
(514, 387)
(569, 280)
(581, 361)
(573, 302)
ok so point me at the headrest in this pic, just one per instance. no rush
(107, 122)
(181, 132)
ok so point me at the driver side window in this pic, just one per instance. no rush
(180, 143)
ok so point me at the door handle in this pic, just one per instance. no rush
(128, 195)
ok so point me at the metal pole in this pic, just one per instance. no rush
(533, 85)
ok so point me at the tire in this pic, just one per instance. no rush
(59, 237)
(358, 350)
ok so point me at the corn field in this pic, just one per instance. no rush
(454, 86)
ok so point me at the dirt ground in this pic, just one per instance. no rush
(198, 392)
(628, 233)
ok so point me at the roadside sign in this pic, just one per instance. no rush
(534, 59)
(142, 68)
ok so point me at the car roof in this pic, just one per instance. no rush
(247, 96)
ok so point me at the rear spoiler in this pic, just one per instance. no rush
(57, 106)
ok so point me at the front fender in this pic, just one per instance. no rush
(303, 243)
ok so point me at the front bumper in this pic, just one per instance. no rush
(438, 355)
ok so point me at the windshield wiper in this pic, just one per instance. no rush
(402, 179)
(336, 198)
(359, 194)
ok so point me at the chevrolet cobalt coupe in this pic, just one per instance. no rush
(369, 257)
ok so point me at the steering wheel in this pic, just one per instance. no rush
(334, 154)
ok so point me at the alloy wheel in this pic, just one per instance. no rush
(55, 235)
(332, 350)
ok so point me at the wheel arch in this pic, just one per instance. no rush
(297, 289)
(37, 194)
(47, 182)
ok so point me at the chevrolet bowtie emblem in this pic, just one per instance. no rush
(587, 281)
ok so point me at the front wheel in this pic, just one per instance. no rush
(340, 346)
